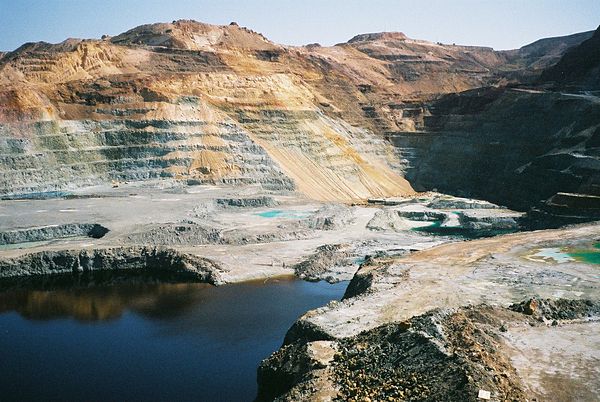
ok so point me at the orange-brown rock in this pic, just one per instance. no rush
(211, 104)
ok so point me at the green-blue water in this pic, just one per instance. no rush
(150, 342)
(591, 256)
(436, 228)
(280, 213)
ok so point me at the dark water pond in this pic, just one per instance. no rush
(147, 341)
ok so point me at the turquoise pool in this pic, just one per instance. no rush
(280, 213)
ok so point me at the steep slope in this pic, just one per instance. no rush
(516, 147)
(222, 104)
(156, 105)
(534, 58)
(580, 66)
(512, 147)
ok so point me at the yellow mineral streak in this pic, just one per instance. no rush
(211, 163)
(314, 110)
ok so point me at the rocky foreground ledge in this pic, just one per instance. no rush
(154, 260)
(485, 319)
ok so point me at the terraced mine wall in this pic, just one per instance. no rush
(186, 139)
(69, 154)
(222, 104)
(510, 147)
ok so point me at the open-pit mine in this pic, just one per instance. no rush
(193, 212)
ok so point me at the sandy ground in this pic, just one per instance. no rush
(132, 209)
(493, 271)
(559, 364)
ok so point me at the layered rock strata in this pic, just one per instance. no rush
(222, 104)
(509, 146)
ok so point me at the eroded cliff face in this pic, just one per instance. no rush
(222, 104)
(523, 147)
(579, 68)
(509, 146)
(195, 102)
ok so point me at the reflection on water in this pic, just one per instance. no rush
(146, 340)
(103, 302)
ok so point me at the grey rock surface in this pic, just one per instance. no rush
(153, 259)
(92, 230)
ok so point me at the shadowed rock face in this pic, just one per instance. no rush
(579, 68)
(511, 147)
(515, 147)
(222, 104)
(543, 53)
(42, 233)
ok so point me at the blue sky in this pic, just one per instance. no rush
(502, 24)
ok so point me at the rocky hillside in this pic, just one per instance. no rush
(515, 146)
(533, 59)
(497, 144)
(446, 323)
(580, 66)
(222, 104)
